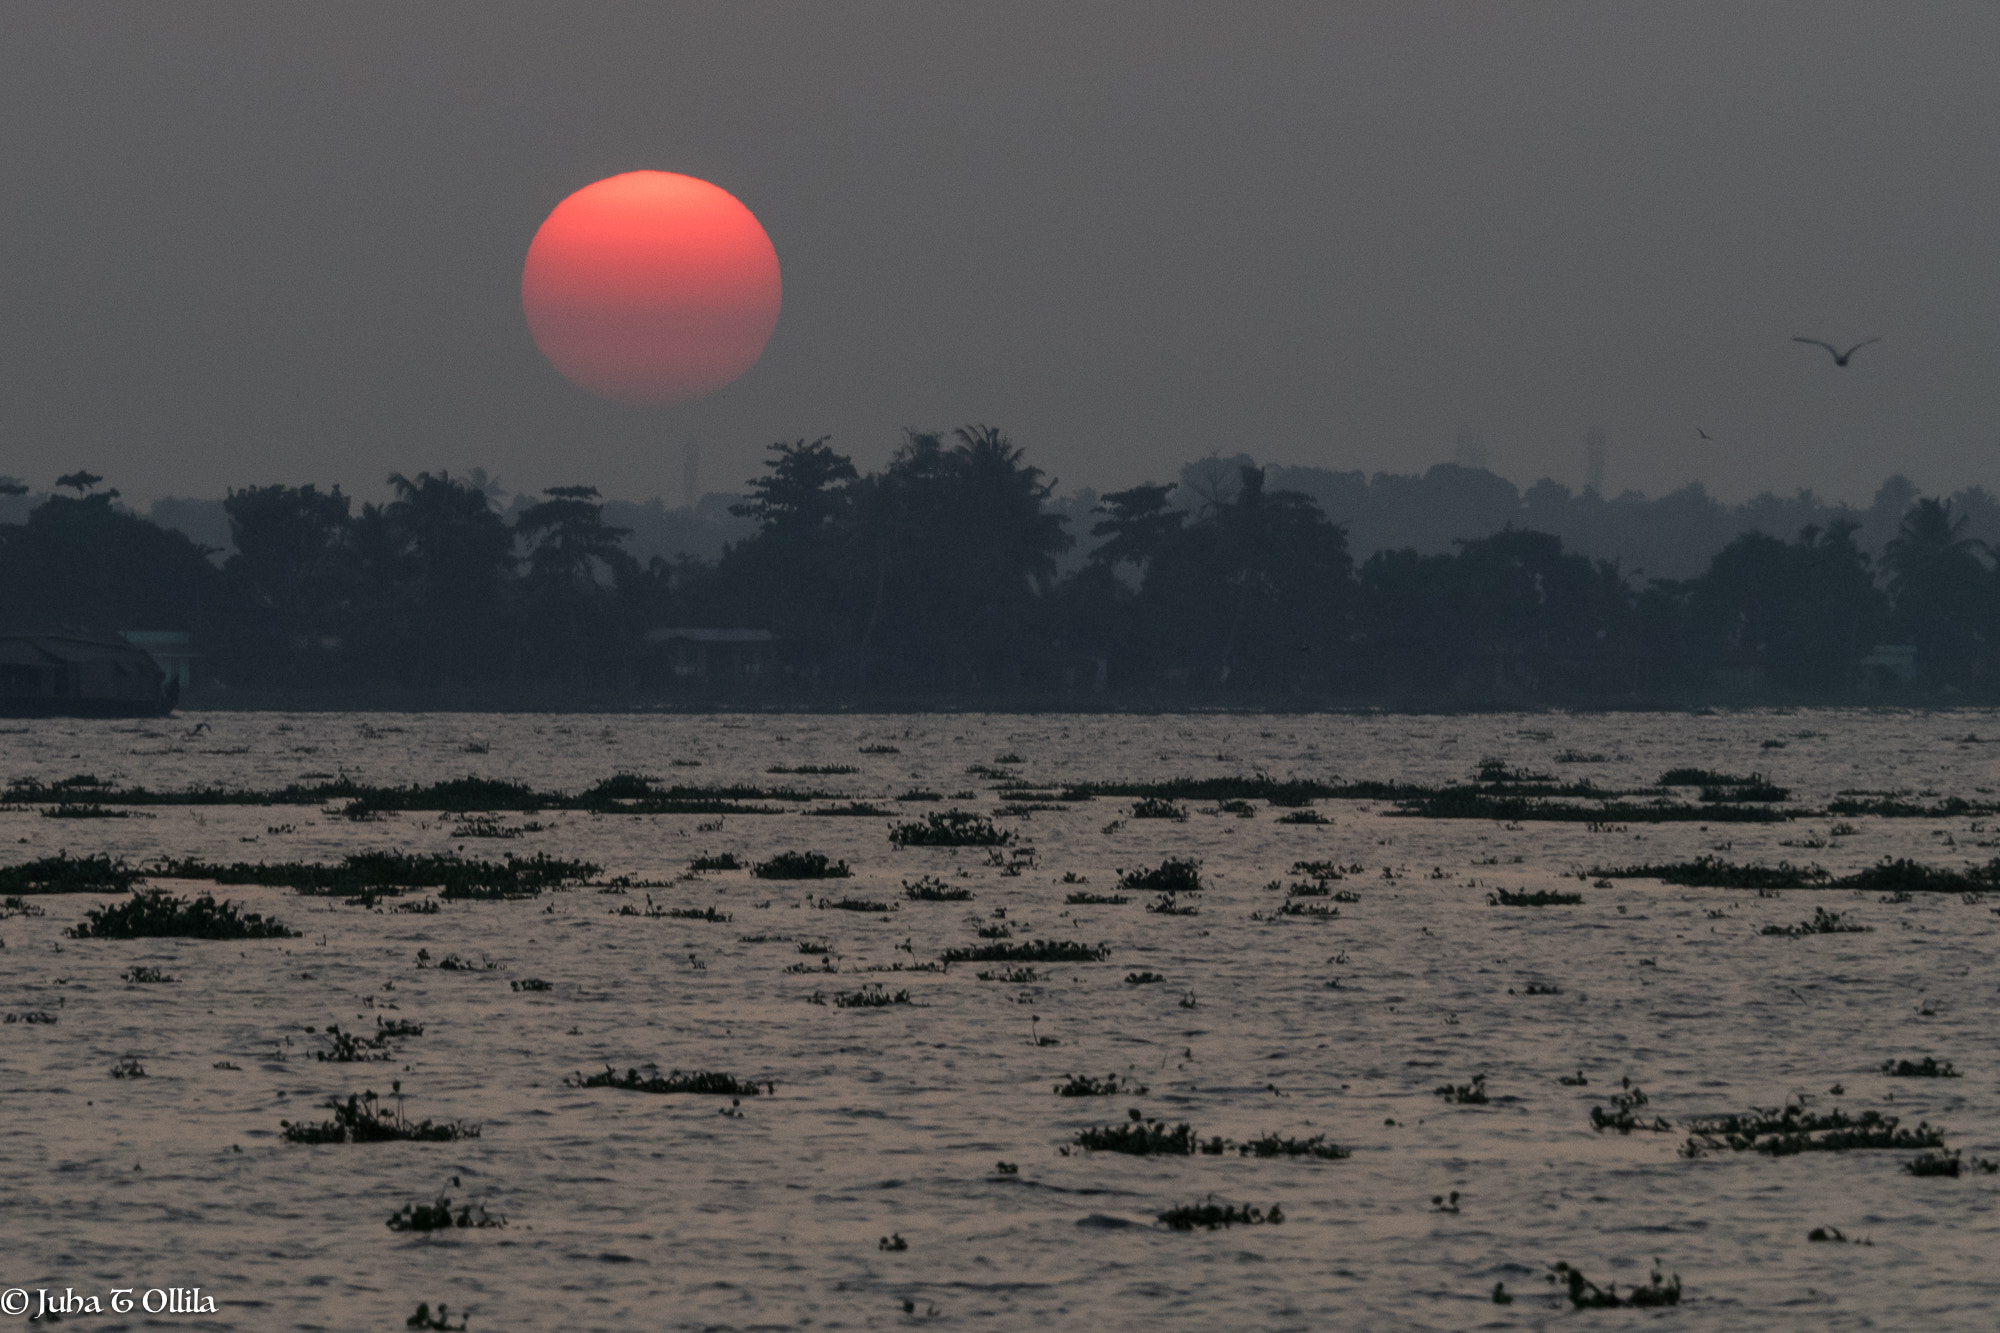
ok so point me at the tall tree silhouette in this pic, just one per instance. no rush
(1943, 591)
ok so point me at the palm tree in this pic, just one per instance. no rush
(1939, 579)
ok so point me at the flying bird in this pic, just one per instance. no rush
(1839, 357)
(1704, 434)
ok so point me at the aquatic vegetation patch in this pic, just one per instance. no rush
(1706, 777)
(1792, 1129)
(1017, 976)
(1823, 923)
(1928, 1067)
(16, 905)
(1154, 807)
(852, 905)
(696, 1082)
(1083, 1085)
(1288, 792)
(814, 770)
(1143, 978)
(1327, 869)
(156, 915)
(851, 809)
(147, 976)
(1308, 910)
(1211, 1216)
(1624, 1114)
(1168, 905)
(84, 812)
(440, 1322)
(364, 1119)
(870, 997)
(1587, 1295)
(1039, 951)
(1532, 898)
(437, 1215)
(531, 984)
(1889, 807)
(351, 1048)
(726, 861)
(1270, 1145)
(63, 873)
(1139, 1137)
(1710, 872)
(1464, 1094)
(801, 865)
(455, 877)
(1758, 790)
(1171, 876)
(931, 889)
(1088, 899)
(950, 828)
(1474, 803)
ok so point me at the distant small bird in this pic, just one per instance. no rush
(1839, 357)
(1704, 434)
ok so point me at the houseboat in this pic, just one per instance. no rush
(79, 673)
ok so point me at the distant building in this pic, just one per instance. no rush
(77, 673)
(169, 647)
(1888, 662)
(715, 654)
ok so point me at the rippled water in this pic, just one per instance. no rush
(632, 1211)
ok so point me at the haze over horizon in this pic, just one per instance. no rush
(253, 246)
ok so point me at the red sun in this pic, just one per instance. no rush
(651, 287)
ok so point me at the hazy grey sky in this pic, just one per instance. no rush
(281, 242)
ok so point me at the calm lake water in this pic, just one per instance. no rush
(635, 1211)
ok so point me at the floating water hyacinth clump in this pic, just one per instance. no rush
(1271, 1145)
(870, 997)
(1176, 874)
(147, 976)
(438, 1215)
(1587, 1295)
(1088, 899)
(1792, 1129)
(724, 861)
(1139, 1137)
(1532, 898)
(1015, 976)
(156, 915)
(1039, 951)
(1111, 1085)
(931, 889)
(696, 1082)
(1624, 1114)
(364, 1119)
(353, 1048)
(63, 873)
(1928, 1067)
(1211, 1216)
(1823, 923)
(1464, 1094)
(1153, 807)
(801, 865)
(950, 828)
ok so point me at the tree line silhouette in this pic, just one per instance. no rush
(943, 575)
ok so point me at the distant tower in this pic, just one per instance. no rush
(1593, 460)
(1471, 450)
(691, 472)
